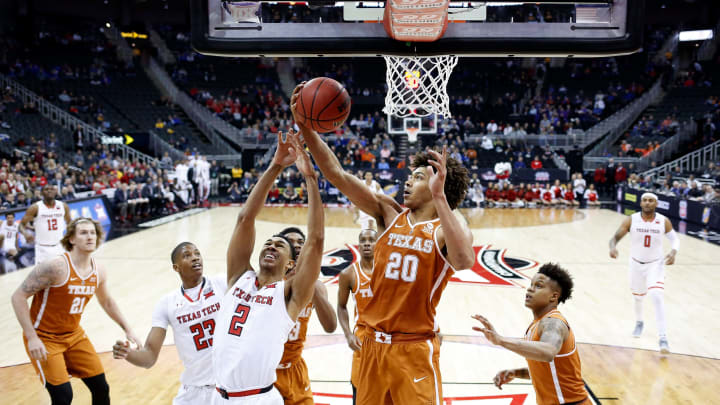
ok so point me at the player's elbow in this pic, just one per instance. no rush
(464, 260)
(330, 325)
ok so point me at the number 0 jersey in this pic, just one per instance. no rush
(409, 276)
(252, 328)
(58, 309)
(646, 243)
(192, 313)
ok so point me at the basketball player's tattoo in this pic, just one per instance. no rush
(554, 332)
(44, 275)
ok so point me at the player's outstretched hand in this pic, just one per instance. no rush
(613, 253)
(303, 162)
(488, 330)
(284, 154)
(293, 103)
(121, 349)
(436, 178)
(37, 349)
(503, 377)
(353, 342)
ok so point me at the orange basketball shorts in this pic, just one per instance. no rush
(69, 354)
(293, 382)
(399, 372)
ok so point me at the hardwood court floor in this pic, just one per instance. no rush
(600, 312)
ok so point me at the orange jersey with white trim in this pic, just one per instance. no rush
(296, 337)
(409, 276)
(560, 380)
(362, 293)
(58, 309)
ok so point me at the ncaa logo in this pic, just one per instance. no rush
(542, 176)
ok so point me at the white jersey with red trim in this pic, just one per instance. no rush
(252, 328)
(646, 244)
(9, 233)
(49, 223)
(191, 314)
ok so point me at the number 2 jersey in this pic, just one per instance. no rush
(191, 314)
(409, 276)
(57, 310)
(252, 328)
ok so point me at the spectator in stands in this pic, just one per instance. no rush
(120, 201)
(274, 194)
(621, 174)
(246, 184)
(536, 164)
(234, 193)
(519, 163)
(289, 195)
(710, 195)
(695, 192)
(79, 138)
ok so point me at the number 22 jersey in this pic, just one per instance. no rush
(192, 313)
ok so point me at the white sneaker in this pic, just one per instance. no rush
(664, 347)
(638, 329)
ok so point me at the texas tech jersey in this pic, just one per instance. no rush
(49, 223)
(192, 313)
(646, 237)
(9, 233)
(251, 330)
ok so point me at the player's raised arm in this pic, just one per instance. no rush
(619, 234)
(325, 312)
(242, 241)
(352, 187)
(301, 286)
(455, 234)
(345, 286)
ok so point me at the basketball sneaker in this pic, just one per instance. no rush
(638, 329)
(664, 347)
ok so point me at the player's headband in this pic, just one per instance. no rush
(651, 195)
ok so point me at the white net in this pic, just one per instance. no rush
(417, 86)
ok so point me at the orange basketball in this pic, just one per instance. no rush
(323, 105)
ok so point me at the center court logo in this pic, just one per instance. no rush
(492, 266)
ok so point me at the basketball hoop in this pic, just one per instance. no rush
(412, 134)
(420, 82)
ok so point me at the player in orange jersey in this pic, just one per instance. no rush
(61, 288)
(355, 280)
(549, 344)
(418, 250)
(293, 380)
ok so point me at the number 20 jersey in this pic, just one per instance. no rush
(252, 328)
(409, 276)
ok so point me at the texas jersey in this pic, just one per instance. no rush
(362, 292)
(49, 223)
(251, 330)
(9, 233)
(560, 380)
(58, 309)
(191, 314)
(409, 278)
(646, 244)
(296, 337)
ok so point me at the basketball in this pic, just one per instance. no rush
(323, 105)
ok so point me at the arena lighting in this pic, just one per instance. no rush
(696, 35)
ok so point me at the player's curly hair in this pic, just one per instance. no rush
(72, 226)
(561, 276)
(457, 180)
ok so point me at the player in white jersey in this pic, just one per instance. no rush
(190, 311)
(50, 218)
(261, 308)
(647, 259)
(203, 167)
(9, 243)
(366, 220)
